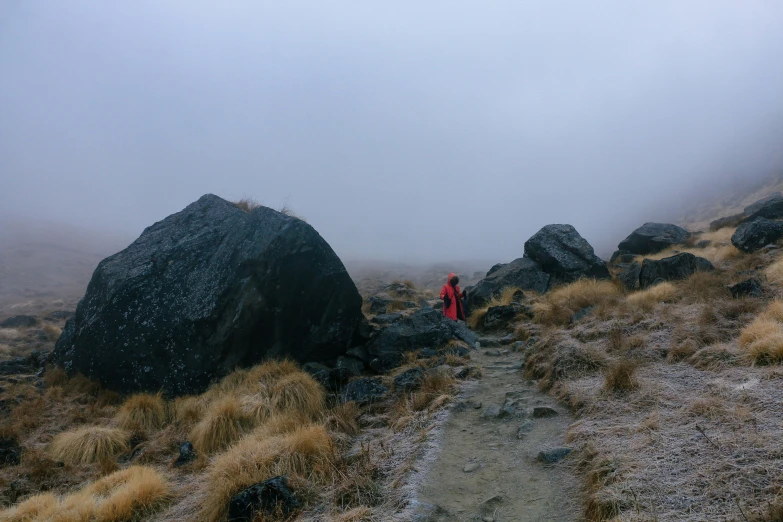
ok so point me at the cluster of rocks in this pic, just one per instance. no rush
(554, 254)
(652, 238)
(770, 207)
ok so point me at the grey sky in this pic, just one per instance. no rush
(400, 130)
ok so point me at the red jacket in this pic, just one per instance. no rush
(454, 310)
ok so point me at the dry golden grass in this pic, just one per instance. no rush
(298, 392)
(38, 507)
(223, 424)
(187, 410)
(434, 385)
(88, 445)
(505, 298)
(307, 452)
(247, 204)
(143, 411)
(683, 350)
(357, 514)
(774, 272)
(621, 376)
(762, 339)
(51, 332)
(648, 298)
(558, 306)
(344, 417)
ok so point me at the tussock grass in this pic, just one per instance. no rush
(621, 376)
(434, 385)
(774, 272)
(298, 392)
(647, 299)
(143, 411)
(344, 418)
(558, 306)
(762, 339)
(38, 507)
(187, 410)
(51, 332)
(505, 298)
(357, 514)
(247, 204)
(88, 445)
(307, 452)
(223, 424)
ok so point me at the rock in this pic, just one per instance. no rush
(521, 273)
(495, 411)
(59, 315)
(754, 235)
(542, 412)
(770, 207)
(726, 222)
(24, 365)
(409, 380)
(186, 454)
(680, 266)
(622, 257)
(268, 497)
(349, 367)
(654, 237)
(425, 327)
(319, 372)
(554, 455)
(359, 353)
(628, 275)
(364, 390)
(748, 288)
(19, 321)
(704, 243)
(495, 268)
(427, 353)
(379, 303)
(524, 428)
(386, 319)
(206, 290)
(10, 451)
(565, 255)
(470, 467)
(500, 316)
(459, 351)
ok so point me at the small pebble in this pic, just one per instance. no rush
(470, 467)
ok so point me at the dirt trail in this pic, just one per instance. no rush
(509, 484)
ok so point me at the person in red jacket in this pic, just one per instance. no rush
(453, 307)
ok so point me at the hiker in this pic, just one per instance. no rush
(453, 306)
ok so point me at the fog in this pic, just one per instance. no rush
(403, 131)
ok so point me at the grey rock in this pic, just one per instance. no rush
(359, 352)
(524, 429)
(653, 237)
(425, 327)
(542, 412)
(59, 315)
(754, 235)
(680, 266)
(748, 288)
(770, 207)
(349, 367)
(379, 303)
(727, 222)
(628, 275)
(521, 273)
(495, 268)
(204, 291)
(554, 455)
(409, 379)
(186, 454)
(386, 319)
(427, 353)
(364, 390)
(564, 254)
(704, 243)
(269, 497)
(500, 316)
(470, 467)
(622, 257)
(10, 451)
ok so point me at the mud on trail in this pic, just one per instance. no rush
(488, 467)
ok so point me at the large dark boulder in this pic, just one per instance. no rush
(622, 257)
(500, 316)
(269, 497)
(424, 328)
(365, 390)
(521, 273)
(206, 290)
(748, 288)
(654, 237)
(754, 235)
(564, 254)
(10, 451)
(764, 204)
(628, 275)
(728, 221)
(672, 268)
